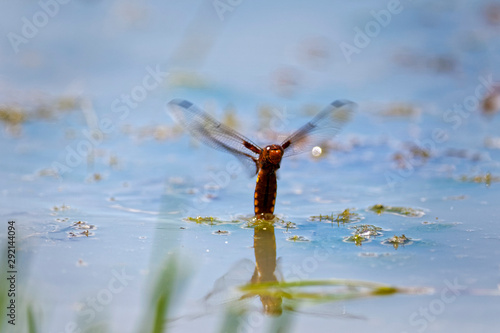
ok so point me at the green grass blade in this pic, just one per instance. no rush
(32, 328)
(161, 308)
(168, 283)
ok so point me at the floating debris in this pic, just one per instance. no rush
(16, 114)
(356, 239)
(61, 208)
(491, 103)
(322, 218)
(402, 211)
(203, 220)
(94, 178)
(439, 226)
(431, 222)
(468, 154)
(492, 13)
(85, 233)
(285, 81)
(282, 224)
(411, 157)
(367, 230)
(315, 53)
(297, 238)
(347, 216)
(396, 241)
(363, 233)
(209, 220)
(84, 226)
(275, 221)
(221, 232)
(12, 116)
(440, 63)
(81, 263)
(47, 172)
(455, 197)
(156, 132)
(486, 179)
(401, 110)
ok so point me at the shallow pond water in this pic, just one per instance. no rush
(393, 228)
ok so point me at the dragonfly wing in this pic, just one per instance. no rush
(323, 126)
(214, 134)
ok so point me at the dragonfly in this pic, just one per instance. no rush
(263, 162)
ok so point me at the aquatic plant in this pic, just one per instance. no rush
(366, 230)
(363, 233)
(255, 222)
(322, 291)
(209, 220)
(346, 216)
(396, 241)
(356, 239)
(203, 220)
(297, 238)
(486, 179)
(403, 211)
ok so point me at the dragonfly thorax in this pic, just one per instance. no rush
(273, 154)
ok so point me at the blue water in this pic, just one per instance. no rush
(142, 177)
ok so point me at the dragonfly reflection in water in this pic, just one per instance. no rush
(264, 161)
(245, 282)
(265, 270)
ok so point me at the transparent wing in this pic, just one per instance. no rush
(211, 132)
(323, 126)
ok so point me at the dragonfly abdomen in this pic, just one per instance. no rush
(265, 192)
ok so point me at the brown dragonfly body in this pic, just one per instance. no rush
(263, 161)
(267, 186)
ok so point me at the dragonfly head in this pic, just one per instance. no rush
(274, 153)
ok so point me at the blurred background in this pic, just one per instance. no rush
(98, 177)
